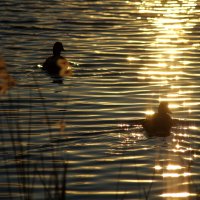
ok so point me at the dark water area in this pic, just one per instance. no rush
(130, 55)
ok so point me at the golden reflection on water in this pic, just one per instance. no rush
(149, 112)
(175, 171)
(178, 195)
(175, 175)
(172, 22)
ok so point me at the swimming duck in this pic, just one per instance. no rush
(160, 123)
(56, 64)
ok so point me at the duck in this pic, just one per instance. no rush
(160, 123)
(56, 64)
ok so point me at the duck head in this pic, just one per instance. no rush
(163, 108)
(57, 48)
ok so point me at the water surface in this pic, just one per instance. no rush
(130, 56)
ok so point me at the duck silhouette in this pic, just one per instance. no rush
(56, 64)
(160, 123)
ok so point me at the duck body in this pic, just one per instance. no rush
(160, 123)
(51, 64)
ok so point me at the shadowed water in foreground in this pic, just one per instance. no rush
(71, 140)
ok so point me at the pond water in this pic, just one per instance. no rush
(129, 55)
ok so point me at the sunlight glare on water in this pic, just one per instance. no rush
(129, 55)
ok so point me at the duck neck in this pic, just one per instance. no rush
(56, 53)
(162, 113)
